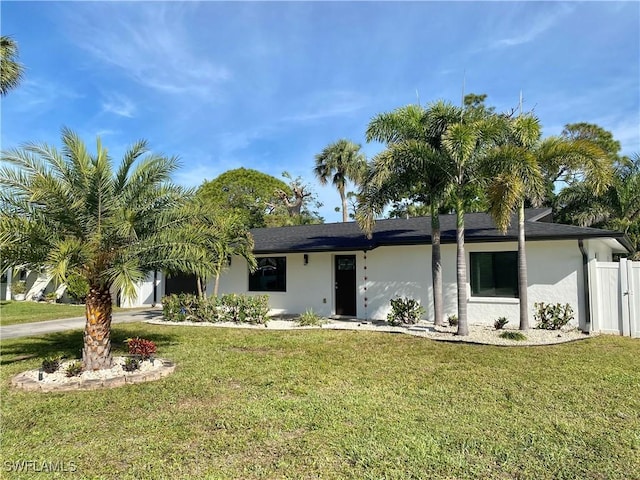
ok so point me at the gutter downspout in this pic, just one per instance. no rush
(585, 276)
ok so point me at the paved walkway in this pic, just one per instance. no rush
(49, 326)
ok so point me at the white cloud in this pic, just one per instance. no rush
(326, 105)
(150, 43)
(37, 95)
(119, 105)
(531, 28)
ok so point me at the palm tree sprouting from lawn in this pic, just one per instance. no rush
(70, 211)
(515, 167)
(11, 71)
(407, 169)
(340, 162)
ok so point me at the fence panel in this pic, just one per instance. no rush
(615, 297)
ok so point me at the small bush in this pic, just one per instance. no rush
(51, 297)
(131, 364)
(256, 308)
(19, 287)
(453, 320)
(552, 316)
(500, 323)
(74, 369)
(509, 335)
(141, 347)
(50, 364)
(77, 288)
(310, 319)
(404, 311)
(227, 308)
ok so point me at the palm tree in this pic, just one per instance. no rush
(340, 161)
(516, 169)
(618, 207)
(229, 237)
(70, 211)
(407, 169)
(11, 71)
(465, 142)
(516, 178)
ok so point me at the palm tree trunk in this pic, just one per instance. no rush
(522, 272)
(345, 208)
(199, 286)
(96, 353)
(216, 284)
(461, 269)
(436, 266)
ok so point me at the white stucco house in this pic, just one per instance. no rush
(335, 269)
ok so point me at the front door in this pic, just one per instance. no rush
(345, 276)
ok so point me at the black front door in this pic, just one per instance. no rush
(345, 275)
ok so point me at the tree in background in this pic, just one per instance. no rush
(296, 208)
(71, 211)
(339, 163)
(11, 72)
(616, 208)
(246, 192)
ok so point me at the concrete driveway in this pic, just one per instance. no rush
(50, 326)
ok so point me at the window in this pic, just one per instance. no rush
(494, 274)
(270, 276)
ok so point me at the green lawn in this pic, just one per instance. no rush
(12, 313)
(249, 404)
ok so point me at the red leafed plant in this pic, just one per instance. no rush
(142, 347)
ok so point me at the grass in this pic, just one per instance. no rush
(246, 404)
(13, 313)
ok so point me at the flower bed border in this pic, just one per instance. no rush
(23, 382)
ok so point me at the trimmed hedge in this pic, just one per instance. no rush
(226, 308)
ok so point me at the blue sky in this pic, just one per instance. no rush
(268, 85)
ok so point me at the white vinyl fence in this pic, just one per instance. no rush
(615, 297)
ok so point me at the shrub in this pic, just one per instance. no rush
(19, 287)
(500, 323)
(404, 311)
(51, 297)
(74, 369)
(552, 316)
(50, 364)
(518, 336)
(141, 347)
(453, 320)
(227, 308)
(310, 319)
(256, 309)
(131, 364)
(77, 288)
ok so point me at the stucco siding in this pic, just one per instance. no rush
(555, 276)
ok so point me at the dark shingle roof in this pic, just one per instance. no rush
(479, 227)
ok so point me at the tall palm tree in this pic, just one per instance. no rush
(11, 71)
(72, 212)
(516, 169)
(465, 142)
(340, 162)
(407, 169)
